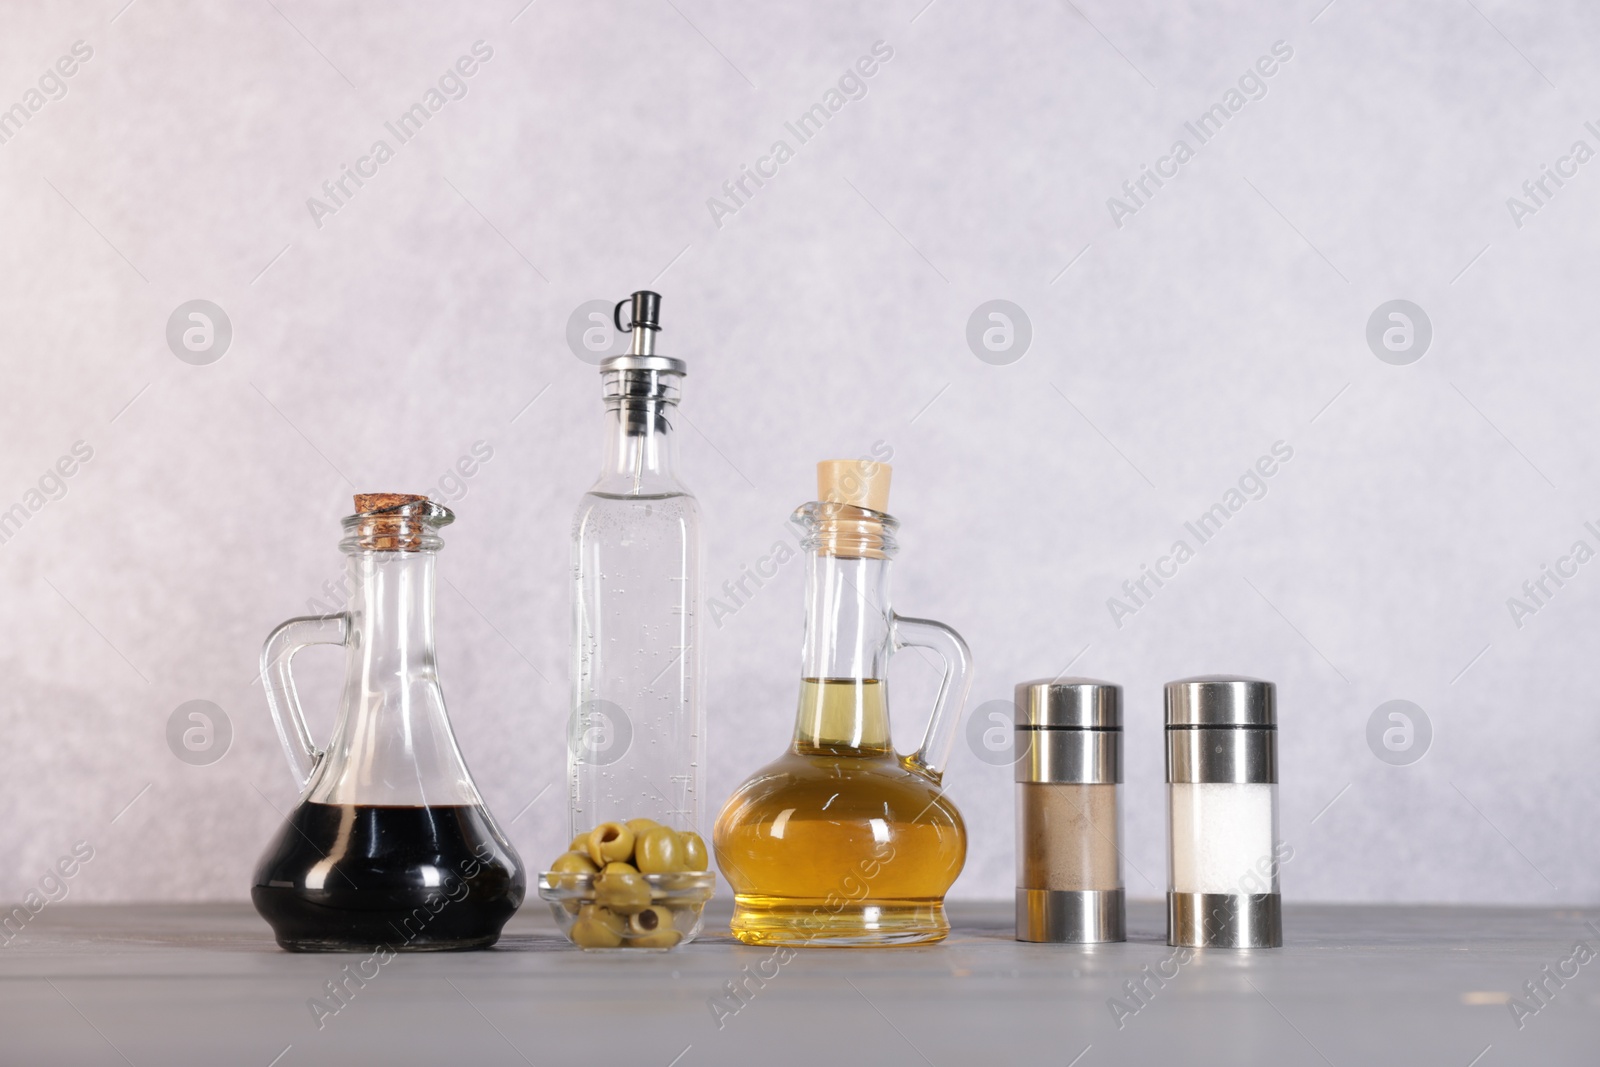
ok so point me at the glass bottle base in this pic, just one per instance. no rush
(397, 921)
(378, 933)
(821, 923)
(352, 877)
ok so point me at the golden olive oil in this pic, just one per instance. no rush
(840, 841)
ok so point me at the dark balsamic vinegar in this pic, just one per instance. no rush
(346, 877)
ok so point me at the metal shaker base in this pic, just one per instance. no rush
(1080, 917)
(1225, 920)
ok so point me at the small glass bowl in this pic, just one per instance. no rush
(676, 901)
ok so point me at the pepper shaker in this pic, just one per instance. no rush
(1069, 825)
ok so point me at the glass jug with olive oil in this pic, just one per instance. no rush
(842, 840)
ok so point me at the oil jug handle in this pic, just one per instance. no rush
(277, 657)
(948, 645)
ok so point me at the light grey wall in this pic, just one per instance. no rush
(829, 312)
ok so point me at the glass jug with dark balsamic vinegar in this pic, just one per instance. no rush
(390, 844)
(841, 840)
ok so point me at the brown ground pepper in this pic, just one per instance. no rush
(1068, 836)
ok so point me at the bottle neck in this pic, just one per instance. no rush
(392, 743)
(843, 705)
(392, 603)
(640, 449)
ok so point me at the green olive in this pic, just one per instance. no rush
(567, 872)
(639, 826)
(650, 920)
(580, 843)
(659, 851)
(618, 865)
(573, 863)
(610, 841)
(625, 892)
(652, 928)
(659, 939)
(597, 928)
(694, 852)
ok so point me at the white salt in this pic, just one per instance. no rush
(1222, 837)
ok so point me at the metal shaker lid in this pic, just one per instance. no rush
(1068, 704)
(1222, 700)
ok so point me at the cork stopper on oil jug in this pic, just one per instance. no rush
(858, 482)
(851, 513)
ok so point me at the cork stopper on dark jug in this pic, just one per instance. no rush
(396, 522)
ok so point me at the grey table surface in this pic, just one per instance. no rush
(205, 984)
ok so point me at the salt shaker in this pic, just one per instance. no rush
(1222, 775)
(1069, 826)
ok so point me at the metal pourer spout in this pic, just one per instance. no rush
(644, 321)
